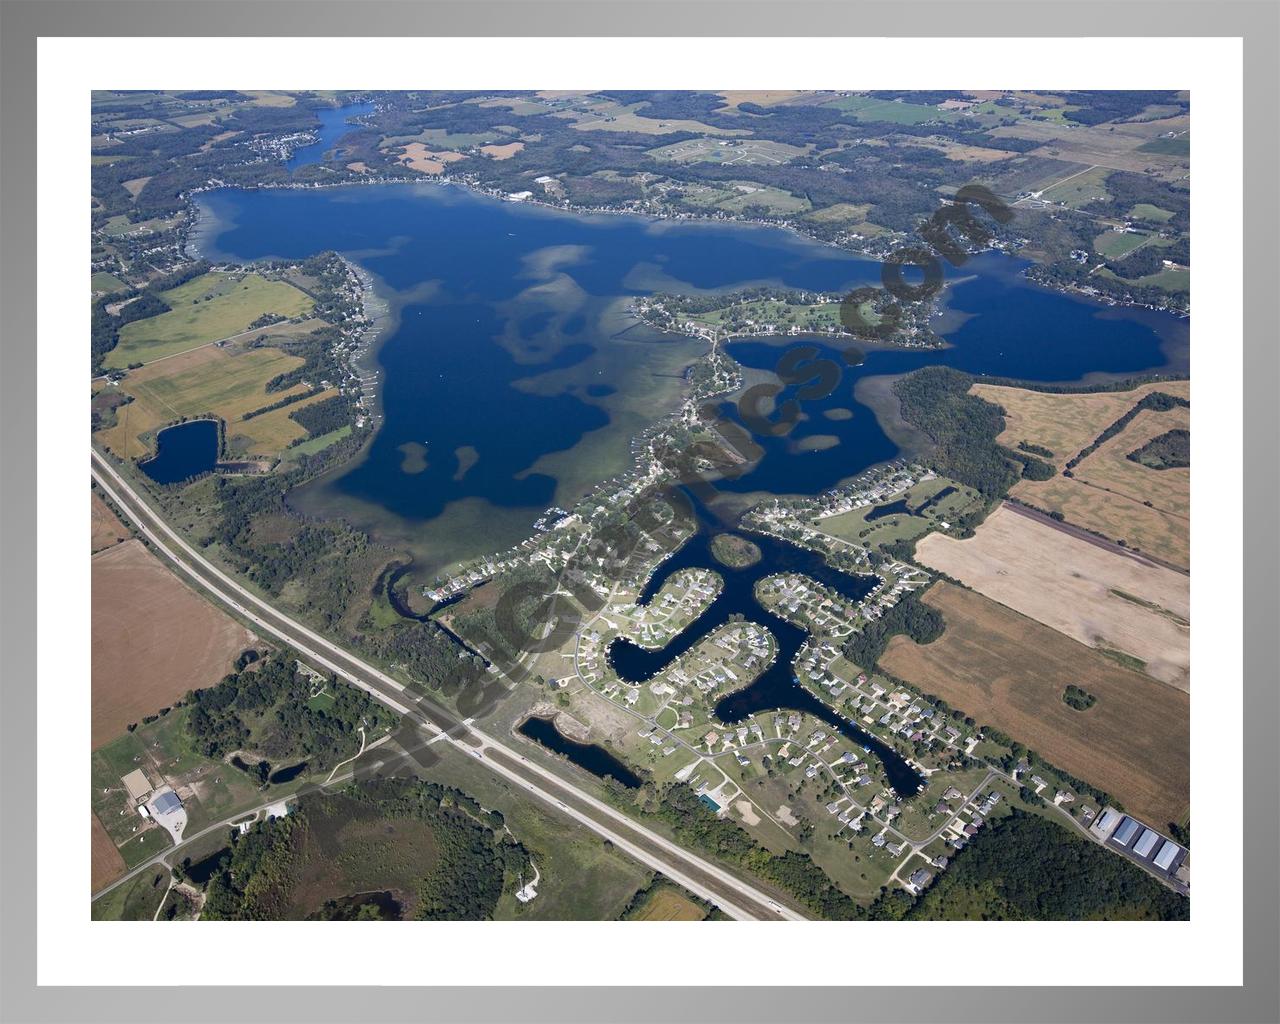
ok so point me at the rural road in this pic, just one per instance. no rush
(709, 881)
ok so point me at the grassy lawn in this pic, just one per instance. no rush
(322, 701)
(108, 283)
(866, 108)
(1081, 189)
(918, 820)
(135, 900)
(775, 199)
(210, 308)
(145, 845)
(318, 444)
(854, 526)
(1145, 211)
(1114, 244)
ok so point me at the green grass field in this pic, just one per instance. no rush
(728, 151)
(134, 900)
(145, 845)
(108, 283)
(210, 308)
(1080, 189)
(1170, 279)
(776, 200)
(853, 526)
(318, 444)
(816, 315)
(1114, 244)
(1178, 146)
(121, 225)
(866, 108)
(1145, 211)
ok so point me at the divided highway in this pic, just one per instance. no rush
(735, 897)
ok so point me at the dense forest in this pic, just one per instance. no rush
(429, 655)
(963, 429)
(274, 696)
(1171, 450)
(910, 616)
(1024, 867)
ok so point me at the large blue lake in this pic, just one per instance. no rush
(512, 378)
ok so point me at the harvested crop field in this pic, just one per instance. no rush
(1110, 468)
(417, 156)
(153, 639)
(1065, 424)
(105, 862)
(1099, 596)
(105, 528)
(1160, 534)
(761, 97)
(1010, 672)
(502, 152)
(207, 381)
(272, 432)
(1108, 493)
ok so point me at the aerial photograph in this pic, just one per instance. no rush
(605, 505)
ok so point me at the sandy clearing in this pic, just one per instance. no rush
(1074, 587)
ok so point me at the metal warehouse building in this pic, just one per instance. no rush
(1128, 828)
(1147, 843)
(166, 803)
(1168, 853)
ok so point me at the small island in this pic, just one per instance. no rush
(733, 551)
(768, 311)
